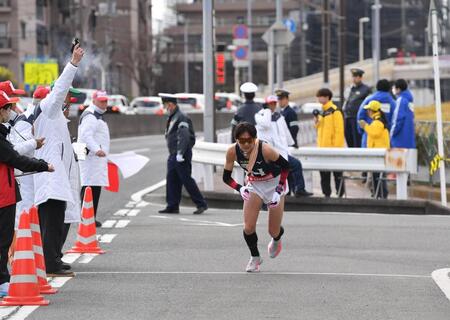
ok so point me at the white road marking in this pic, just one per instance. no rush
(139, 150)
(107, 238)
(70, 257)
(22, 313)
(121, 212)
(108, 224)
(142, 204)
(137, 197)
(87, 257)
(442, 279)
(122, 223)
(5, 312)
(133, 212)
(130, 204)
(332, 274)
(160, 217)
(58, 282)
(201, 222)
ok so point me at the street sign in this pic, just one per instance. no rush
(40, 73)
(281, 36)
(291, 25)
(240, 53)
(240, 42)
(240, 63)
(240, 31)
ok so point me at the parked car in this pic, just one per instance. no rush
(118, 104)
(227, 101)
(147, 105)
(309, 107)
(191, 102)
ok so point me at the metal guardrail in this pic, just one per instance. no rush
(401, 161)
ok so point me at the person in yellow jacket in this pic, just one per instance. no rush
(377, 137)
(330, 134)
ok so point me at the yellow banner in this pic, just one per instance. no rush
(40, 73)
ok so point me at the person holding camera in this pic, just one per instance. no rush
(56, 195)
(330, 134)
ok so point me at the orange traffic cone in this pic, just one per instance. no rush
(87, 233)
(44, 287)
(23, 286)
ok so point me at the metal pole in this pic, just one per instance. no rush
(376, 40)
(342, 49)
(250, 52)
(270, 64)
(279, 50)
(437, 91)
(208, 72)
(186, 58)
(302, 38)
(236, 81)
(326, 42)
(361, 40)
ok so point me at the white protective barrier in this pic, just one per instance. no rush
(403, 162)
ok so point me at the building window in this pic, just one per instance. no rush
(40, 10)
(5, 3)
(23, 29)
(4, 40)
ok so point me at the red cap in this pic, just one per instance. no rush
(9, 89)
(41, 92)
(4, 99)
(73, 100)
(100, 95)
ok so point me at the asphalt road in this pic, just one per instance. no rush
(333, 266)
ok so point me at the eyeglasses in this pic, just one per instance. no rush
(245, 140)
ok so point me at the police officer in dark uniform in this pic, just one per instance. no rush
(355, 96)
(246, 112)
(180, 137)
(295, 178)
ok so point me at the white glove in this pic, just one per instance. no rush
(180, 158)
(276, 197)
(245, 192)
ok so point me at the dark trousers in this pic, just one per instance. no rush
(51, 217)
(295, 178)
(383, 190)
(65, 232)
(325, 182)
(352, 135)
(179, 175)
(96, 191)
(7, 216)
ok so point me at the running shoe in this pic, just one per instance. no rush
(274, 248)
(4, 287)
(253, 264)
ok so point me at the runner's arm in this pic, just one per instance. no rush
(228, 169)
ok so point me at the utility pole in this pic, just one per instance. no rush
(302, 38)
(326, 42)
(376, 40)
(250, 48)
(342, 49)
(208, 71)
(279, 50)
(186, 57)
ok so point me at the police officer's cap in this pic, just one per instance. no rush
(281, 93)
(248, 87)
(168, 97)
(357, 72)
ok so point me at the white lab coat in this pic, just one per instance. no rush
(21, 136)
(276, 133)
(52, 124)
(94, 132)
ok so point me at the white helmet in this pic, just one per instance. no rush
(248, 87)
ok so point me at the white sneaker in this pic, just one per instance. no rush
(253, 264)
(4, 288)
(274, 248)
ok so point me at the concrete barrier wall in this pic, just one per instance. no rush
(138, 125)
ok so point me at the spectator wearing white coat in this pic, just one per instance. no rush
(55, 195)
(272, 128)
(22, 137)
(94, 132)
